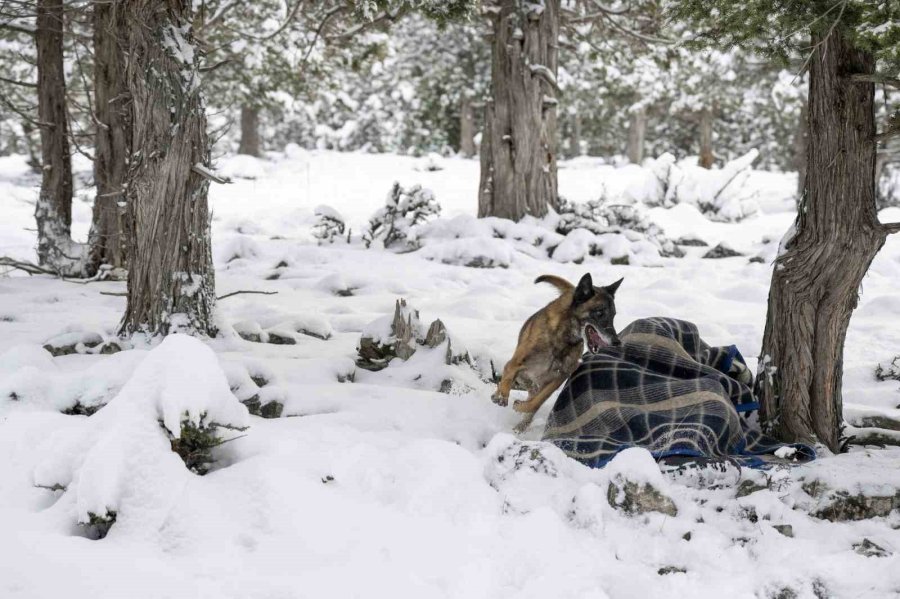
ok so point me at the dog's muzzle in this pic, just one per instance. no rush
(597, 339)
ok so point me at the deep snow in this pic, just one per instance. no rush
(383, 486)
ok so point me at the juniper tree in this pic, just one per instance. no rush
(847, 46)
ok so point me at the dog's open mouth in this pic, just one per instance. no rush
(595, 340)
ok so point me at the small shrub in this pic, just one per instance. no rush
(195, 444)
(329, 224)
(404, 209)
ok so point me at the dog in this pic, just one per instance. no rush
(552, 341)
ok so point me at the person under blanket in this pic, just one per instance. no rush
(666, 390)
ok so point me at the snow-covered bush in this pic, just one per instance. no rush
(329, 224)
(140, 448)
(718, 193)
(404, 209)
(600, 218)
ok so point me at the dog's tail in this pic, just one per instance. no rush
(558, 282)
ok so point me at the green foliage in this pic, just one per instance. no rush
(195, 443)
(782, 28)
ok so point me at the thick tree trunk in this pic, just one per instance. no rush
(170, 275)
(637, 130)
(466, 127)
(706, 133)
(113, 142)
(53, 211)
(817, 275)
(801, 142)
(519, 146)
(249, 131)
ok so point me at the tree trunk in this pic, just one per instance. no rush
(249, 131)
(518, 149)
(53, 211)
(706, 132)
(170, 276)
(466, 127)
(113, 141)
(637, 129)
(801, 142)
(575, 136)
(817, 275)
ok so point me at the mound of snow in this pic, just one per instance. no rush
(120, 461)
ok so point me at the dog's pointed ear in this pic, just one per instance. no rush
(584, 290)
(611, 289)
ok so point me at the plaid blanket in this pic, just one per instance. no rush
(666, 390)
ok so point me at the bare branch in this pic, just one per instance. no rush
(233, 293)
(22, 83)
(876, 78)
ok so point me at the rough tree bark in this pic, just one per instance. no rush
(637, 130)
(815, 283)
(800, 143)
(518, 148)
(53, 211)
(466, 126)
(113, 141)
(170, 276)
(706, 132)
(249, 144)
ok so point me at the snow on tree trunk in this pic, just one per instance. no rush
(249, 131)
(113, 142)
(170, 276)
(823, 258)
(53, 211)
(637, 130)
(466, 127)
(706, 132)
(801, 141)
(518, 149)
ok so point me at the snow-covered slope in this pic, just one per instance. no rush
(384, 487)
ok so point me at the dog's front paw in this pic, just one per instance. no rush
(498, 399)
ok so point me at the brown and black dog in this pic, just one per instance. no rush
(552, 340)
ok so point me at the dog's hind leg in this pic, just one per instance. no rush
(534, 403)
(531, 405)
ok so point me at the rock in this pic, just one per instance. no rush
(72, 343)
(437, 334)
(721, 251)
(692, 242)
(110, 347)
(259, 380)
(670, 570)
(686, 536)
(785, 529)
(81, 410)
(634, 498)
(281, 339)
(757, 260)
(248, 336)
(841, 506)
(620, 260)
(748, 487)
(375, 351)
(273, 409)
(869, 549)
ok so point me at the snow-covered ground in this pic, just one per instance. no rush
(384, 487)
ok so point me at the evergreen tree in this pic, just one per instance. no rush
(847, 46)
